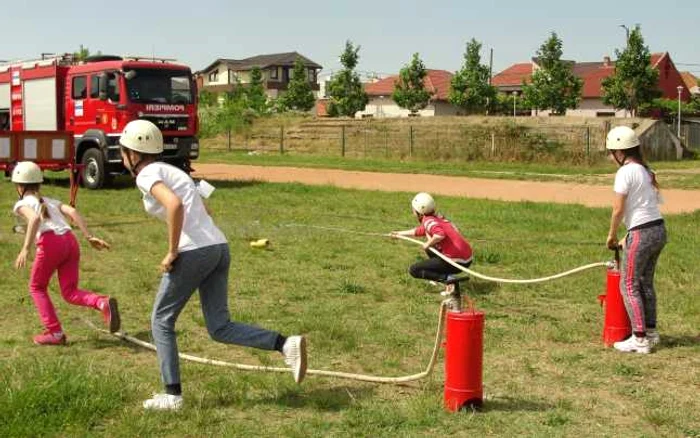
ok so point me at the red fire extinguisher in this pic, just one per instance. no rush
(617, 325)
(464, 348)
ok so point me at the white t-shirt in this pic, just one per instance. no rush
(198, 228)
(56, 222)
(642, 203)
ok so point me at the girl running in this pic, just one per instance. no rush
(197, 258)
(57, 250)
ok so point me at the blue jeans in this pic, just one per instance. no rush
(205, 269)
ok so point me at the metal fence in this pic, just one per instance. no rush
(690, 133)
(572, 143)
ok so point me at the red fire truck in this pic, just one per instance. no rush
(94, 99)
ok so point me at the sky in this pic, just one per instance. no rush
(389, 32)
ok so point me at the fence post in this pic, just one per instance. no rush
(229, 140)
(342, 141)
(364, 150)
(588, 142)
(282, 139)
(410, 141)
(493, 144)
(386, 143)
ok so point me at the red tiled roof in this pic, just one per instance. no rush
(689, 79)
(593, 82)
(437, 81)
(513, 75)
(592, 74)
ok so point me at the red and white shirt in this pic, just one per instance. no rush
(453, 244)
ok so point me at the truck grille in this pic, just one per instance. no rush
(168, 123)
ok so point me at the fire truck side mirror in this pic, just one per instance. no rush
(104, 80)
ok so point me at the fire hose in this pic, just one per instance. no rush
(362, 377)
(505, 280)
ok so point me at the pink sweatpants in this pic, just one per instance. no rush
(57, 253)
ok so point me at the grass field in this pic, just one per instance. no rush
(671, 174)
(545, 370)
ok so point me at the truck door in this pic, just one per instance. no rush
(101, 108)
(77, 118)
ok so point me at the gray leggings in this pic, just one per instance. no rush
(205, 269)
(642, 249)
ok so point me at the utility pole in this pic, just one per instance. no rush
(627, 33)
(680, 90)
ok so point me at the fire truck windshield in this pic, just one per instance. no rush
(159, 86)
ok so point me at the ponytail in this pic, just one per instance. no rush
(34, 187)
(43, 211)
(635, 154)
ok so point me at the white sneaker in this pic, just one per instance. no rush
(294, 350)
(163, 402)
(653, 337)
(634, 344)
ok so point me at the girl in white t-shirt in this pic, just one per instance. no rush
(57, 250)
(637, 205)
(198, 258)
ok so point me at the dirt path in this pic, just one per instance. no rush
(676, 201)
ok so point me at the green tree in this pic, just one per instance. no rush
(554, 86)
(347, 95)
(409, 90)
(82, 54)
(256, 98)
(470, 89)
(207, 98)
(298, 96)
(635, 81)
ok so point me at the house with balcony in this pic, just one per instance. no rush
(223, 74)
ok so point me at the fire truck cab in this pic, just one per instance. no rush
(95, 99)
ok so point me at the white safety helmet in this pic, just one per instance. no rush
(142, 136)
(621, 138)
(423, 203)
(27, 172)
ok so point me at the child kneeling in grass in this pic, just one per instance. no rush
(442, 235)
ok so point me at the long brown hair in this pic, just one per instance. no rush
(635, 154)
(43, 211)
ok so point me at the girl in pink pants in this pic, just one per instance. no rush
(57, 250)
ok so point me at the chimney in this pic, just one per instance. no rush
(606, 61)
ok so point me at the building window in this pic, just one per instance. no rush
(312, 75)
(79, 87)
(214, 76)
(273, 73)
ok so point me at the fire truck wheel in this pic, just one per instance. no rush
(93, 169)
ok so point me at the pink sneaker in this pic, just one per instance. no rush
(50, 338)
(110, 313)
